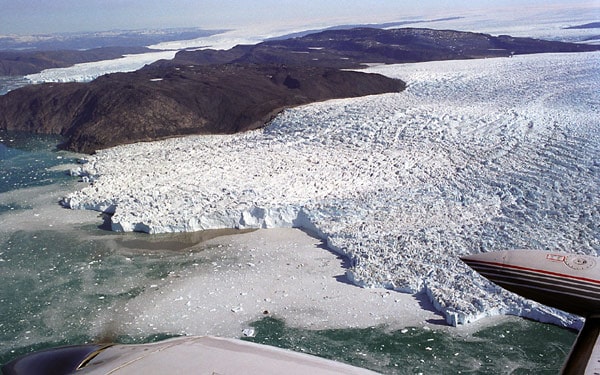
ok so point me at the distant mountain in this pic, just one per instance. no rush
(27, 55)
(355, 47)
(387, 25)
(210, 91)
(591, 25)
(100, 39)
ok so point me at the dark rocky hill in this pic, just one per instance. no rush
(160, 102)
(354, 47)
(211, 91)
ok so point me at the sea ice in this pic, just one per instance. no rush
(474, 156)
(236, 280)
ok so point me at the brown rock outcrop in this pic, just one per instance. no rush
(160, 102)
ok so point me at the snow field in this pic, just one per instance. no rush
(477, 155)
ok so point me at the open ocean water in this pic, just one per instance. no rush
(56, 283)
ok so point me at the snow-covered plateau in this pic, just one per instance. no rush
(474, 156)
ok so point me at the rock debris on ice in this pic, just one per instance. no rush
(474, 156)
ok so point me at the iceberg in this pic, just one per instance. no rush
(474, 156)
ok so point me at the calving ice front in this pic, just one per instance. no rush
(474, 156)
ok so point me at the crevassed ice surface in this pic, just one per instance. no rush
(474, 156)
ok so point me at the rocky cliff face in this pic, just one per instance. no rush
(212, 91)
(160, 102)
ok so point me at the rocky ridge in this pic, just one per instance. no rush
(356, 47)
(213, 91)
(160, 102)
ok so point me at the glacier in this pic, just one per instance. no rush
(85, 72)
(474, 156)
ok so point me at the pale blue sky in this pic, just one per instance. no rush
(46, 16)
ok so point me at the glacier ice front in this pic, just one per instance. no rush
(474, 156)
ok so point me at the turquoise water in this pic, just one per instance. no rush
(56, 284)
(27, 161)
(515, 347)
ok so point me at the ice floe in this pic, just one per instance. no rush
(474, 156)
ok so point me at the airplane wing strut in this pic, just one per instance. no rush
(585, 354)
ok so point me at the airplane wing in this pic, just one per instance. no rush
(182, 355)
(569, 282)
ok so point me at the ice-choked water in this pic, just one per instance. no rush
(474, 156)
